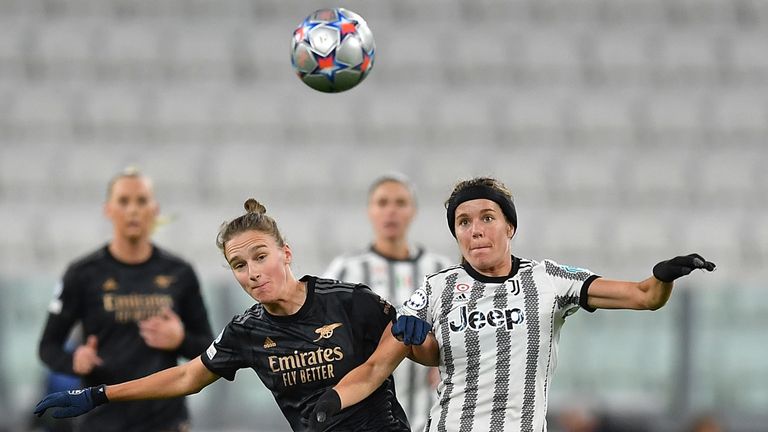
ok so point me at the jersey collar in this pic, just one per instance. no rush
(492, 279)
(411, 258)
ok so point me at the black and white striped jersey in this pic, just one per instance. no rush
(396, 280)
(498, 341)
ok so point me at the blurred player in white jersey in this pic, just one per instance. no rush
(492, 324)
(393, 268)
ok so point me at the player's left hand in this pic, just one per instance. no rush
(326, 406)
(668, 271)
(410, 330)
(164, 331)
(73, 403)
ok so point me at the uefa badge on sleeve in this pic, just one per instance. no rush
(417, 301)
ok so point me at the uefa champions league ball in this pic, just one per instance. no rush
(332, 50)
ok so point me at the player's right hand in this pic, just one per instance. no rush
(72, 403)
(410, 330)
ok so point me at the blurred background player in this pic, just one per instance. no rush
(393, 268)
(300, 337)
(139, 306)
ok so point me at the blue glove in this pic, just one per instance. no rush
(73, 402)
(410, 329)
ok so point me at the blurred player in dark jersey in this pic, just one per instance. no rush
(301, 337)
(394, 268)
(496, 320)
(140, 309)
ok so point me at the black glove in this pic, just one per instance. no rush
(668, 271)
(410, 329)
(326, 406)
(73, 402)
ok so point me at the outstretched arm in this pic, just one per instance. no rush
(181, 380)
(650, 294)
(177, 381)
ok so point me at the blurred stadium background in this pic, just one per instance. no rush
(629, 131)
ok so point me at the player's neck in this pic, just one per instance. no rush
(130, 252)
(502, 268)
(392, 248)
(290, 305)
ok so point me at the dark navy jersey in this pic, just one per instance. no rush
(298, 357)
(109, 298)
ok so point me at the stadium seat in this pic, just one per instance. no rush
(685, 59)
(728, 176)
(115, 113)
(41, 113)
(658, 176)
(184, 114)
(621, 58)
(670, 119)
(15, 39)
(533, 118)
(738, 118)
(552, 60)
(63, 52)
(603, 119)
(132, 52)
(463, 118)
(199, 52)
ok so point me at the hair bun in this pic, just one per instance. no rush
(253, 206)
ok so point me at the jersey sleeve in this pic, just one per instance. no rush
(372, 310)
(64, 311)
(224, 356)
(571, 286)
(194, 315)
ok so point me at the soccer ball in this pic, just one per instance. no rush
(332, 50)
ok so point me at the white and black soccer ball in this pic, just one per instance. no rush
(332, 50)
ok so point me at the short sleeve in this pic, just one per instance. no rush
(571, 285)
(371, 309)
(224, 356)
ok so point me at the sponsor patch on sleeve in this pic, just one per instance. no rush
(211, 352)
(572, 269)
(418, 300)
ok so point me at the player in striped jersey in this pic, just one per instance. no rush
(393, 269)
(496, 320)
(300, 337)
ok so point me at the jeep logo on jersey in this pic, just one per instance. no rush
(326, 331)
(476, 319)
